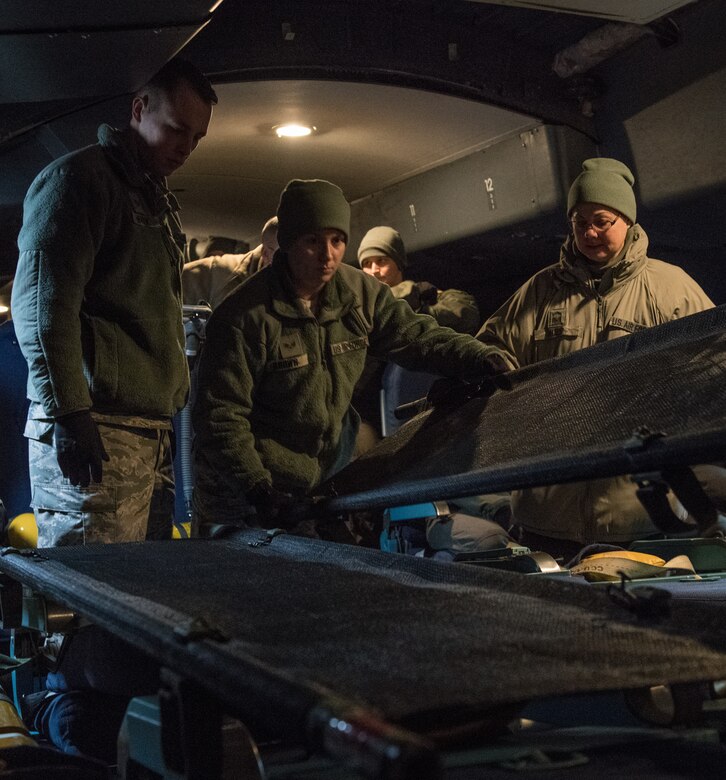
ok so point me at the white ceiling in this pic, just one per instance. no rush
(368, 137)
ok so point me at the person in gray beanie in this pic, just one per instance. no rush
(382, 254)
(273, 415)
(603, 287)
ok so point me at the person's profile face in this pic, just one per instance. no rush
(169, 127)
(383, 268)
(314, 258)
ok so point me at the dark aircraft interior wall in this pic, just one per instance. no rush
(664, 113)
(501, 209)
(661, 110)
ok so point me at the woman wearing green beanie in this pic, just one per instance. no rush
(603, 287)
(273, 416)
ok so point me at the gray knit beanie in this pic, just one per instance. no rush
(383, 241)
(606, 181)
(308, 205)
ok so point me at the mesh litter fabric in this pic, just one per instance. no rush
(561, 420)
(413, 639)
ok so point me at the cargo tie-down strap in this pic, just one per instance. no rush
(635, 405)
(285, 628)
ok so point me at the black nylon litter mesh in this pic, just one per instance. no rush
(414, 639)
(560, 420)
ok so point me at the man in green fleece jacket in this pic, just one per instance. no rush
(97, 307)
(273, 417)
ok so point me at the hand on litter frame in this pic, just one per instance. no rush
(272, 505)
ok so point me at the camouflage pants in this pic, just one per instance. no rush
(134, 501)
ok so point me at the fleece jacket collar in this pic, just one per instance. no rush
(335, 300)
(121, 150)
(574, 268)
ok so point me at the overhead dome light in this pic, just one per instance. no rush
(293, 131)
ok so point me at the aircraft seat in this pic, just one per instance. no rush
(401, 386)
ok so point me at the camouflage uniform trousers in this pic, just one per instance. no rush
(134, 501)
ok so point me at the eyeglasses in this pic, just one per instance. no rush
(598, 224)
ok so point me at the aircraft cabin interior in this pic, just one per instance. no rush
(399, 546)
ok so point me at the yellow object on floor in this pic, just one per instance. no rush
(611, 566)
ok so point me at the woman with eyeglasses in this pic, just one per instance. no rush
(603, 287)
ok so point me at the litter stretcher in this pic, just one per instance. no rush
(341, 660)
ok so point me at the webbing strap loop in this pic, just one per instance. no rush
(652, 492)
(690, 493)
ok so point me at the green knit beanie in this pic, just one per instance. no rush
(307, 206)
(383, 241)
(606, 181)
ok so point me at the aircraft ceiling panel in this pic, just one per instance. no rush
(24, 16)
(53, 51)
(65, 65)
(368, 137)
(642, 12)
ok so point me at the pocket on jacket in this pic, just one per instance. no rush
(553, 342)
(39, 430)
(65, 498)
(100, 348)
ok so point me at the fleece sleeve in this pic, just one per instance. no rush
(417, 342)
(221, 414)
(62, 229)
(511, 328)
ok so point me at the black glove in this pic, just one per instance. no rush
(427, 293)
(79, 448)
(495, 364)
(449, 390)
(272, 505)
